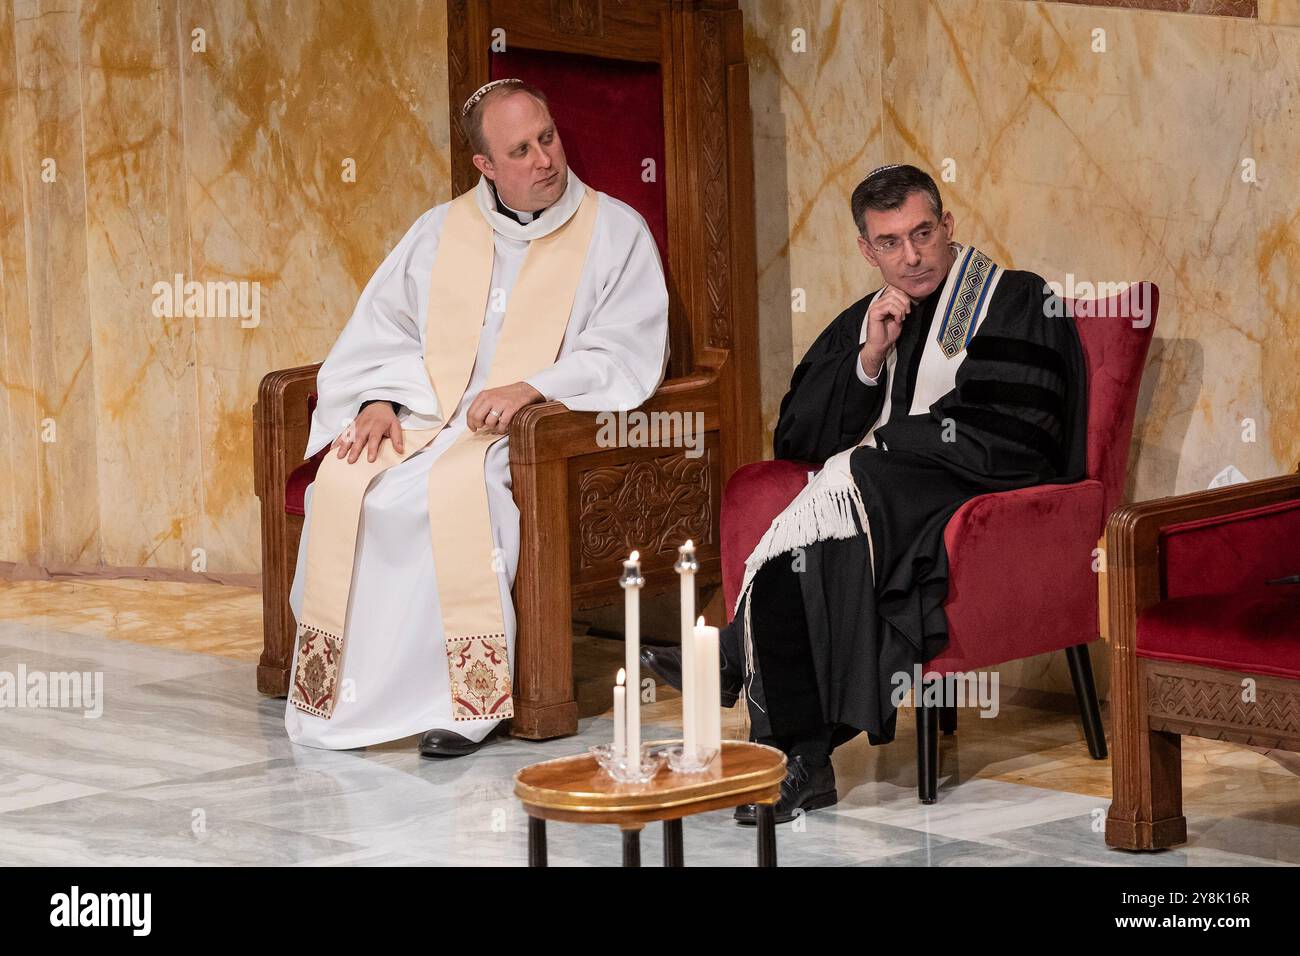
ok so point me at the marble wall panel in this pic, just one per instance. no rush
(220, 155)
(215, 141)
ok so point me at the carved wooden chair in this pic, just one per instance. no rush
(1204, 645)
(652, 102)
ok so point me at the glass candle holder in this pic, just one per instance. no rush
(681, 762)
(615, 763)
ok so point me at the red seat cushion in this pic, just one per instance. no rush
(295, 489)
(1255, 629)
(1020, 576)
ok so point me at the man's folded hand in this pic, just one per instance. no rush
(493, 408)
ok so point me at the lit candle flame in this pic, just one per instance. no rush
(635, 556)
(622, 677)
(700, 622)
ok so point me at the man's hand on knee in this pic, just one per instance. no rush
(375, 423)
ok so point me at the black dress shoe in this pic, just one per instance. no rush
(667, 663)
(804, 788)
(448, 743)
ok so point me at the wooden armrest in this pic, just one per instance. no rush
(549, 431)
(280, 428)
(1133, 535)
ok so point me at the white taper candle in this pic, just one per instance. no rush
(620, 713)
(632, 582)
(686, 567)
(709, 717)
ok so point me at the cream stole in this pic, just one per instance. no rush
(460, 528)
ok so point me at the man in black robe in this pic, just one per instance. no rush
(956, 379)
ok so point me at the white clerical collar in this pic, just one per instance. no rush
(524, 217)
(557, 214)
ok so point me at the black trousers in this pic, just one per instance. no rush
(789, 711)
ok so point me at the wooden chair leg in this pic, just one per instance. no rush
(545, 703)
(1147, 810)
(280, 537)
(1085, 691)
(927, 750)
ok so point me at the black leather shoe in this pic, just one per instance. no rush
(804, 788)
(448, 743)
(667, 663)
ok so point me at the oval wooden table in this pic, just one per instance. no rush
(576, 790)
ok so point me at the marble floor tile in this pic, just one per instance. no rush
(20, 790)
(110, 829)
(972, 810)
(148, 733)
(1078, 842)
(188, 764)
(121, 662)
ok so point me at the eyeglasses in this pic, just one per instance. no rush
(922, 238)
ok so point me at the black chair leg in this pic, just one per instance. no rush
(1085, 691)
(948, 719)
(927, 750)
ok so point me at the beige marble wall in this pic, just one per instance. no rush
(814, 90)
(225, 164)
(1128, 164)
(222, 163)
(1111, 166)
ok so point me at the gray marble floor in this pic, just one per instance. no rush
(189, 765)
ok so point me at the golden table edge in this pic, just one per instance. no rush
(757, 786)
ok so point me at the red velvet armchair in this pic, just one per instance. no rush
(1203, 644)
(1028, 550)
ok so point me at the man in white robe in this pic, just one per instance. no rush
(394, 679)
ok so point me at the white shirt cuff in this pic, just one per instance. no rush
(862, 340)
(862, 373)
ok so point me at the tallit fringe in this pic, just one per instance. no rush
(821, 517)
(830, 503)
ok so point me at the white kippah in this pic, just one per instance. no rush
(482, 91)
(883, 169)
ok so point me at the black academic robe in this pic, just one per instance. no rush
(1018, 417)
